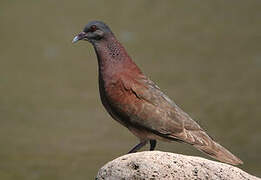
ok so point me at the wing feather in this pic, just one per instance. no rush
(148, 107)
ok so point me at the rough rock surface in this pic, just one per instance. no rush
(163, 165)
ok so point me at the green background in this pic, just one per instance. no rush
(206, 55)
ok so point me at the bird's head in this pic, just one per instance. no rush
(93, 32)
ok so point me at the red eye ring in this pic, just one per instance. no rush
(93, 28)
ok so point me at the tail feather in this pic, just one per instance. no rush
(220, 153)
(201, 141)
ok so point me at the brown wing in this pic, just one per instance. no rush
(140, 103)
(147, 106)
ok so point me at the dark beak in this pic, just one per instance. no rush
(79, 37)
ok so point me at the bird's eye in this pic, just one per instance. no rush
(93, 28)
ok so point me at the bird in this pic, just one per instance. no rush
(137, 103)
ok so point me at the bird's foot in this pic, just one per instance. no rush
(153, 144)
(137, 147)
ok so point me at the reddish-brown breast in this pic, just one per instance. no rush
(114, 66)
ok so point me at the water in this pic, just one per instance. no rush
(204, 55)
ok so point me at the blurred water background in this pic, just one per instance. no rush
(206, 55)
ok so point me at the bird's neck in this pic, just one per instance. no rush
(113, 58)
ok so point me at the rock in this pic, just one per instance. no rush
(163, 165)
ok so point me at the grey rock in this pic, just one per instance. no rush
(163, 165)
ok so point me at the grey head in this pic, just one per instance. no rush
(93, 32)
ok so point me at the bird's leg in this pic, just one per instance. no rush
(152, 144)
(138, 146)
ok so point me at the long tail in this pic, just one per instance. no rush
(213, 149)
